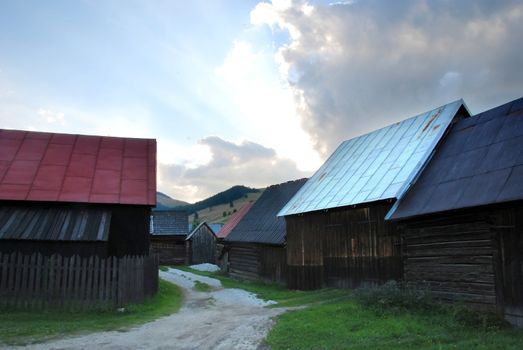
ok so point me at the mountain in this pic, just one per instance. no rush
(164, 202)
(226, 197)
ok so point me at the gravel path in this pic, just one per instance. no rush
(220, 319)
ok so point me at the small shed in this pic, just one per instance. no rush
(201, 245)
(256, 244)
(222, 253)
(336, 230)
(463, 218)
(168, 231)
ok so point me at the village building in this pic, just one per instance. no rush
(336, 229)
(201, 245)
(169, 229)
(256, 244)
(463, 218)
(65, 197)
(222, 254)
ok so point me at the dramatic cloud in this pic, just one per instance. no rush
(357, 65)
(231, 164)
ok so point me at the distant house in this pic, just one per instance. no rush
(336, 230)
(201, 245)
(169, 230)
(75, 199)
(222, 253)
(463, 218)
(256, 244)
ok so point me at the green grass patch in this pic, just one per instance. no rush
(163, 268)
(22, 327)
(350, 325)
(201, 287)
(271, 291)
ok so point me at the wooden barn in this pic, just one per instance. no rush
(201, 245)
(336, 230)
(463, 218)
(256, 244)
(72, 197)
(222, 253)
(169, 229)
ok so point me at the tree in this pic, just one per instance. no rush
(224, 214)
(231, 204)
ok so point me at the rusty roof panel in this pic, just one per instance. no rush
(375, 166)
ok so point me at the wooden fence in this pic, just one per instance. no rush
(56, 282)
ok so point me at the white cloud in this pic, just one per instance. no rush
(360, 65)
(51, 117)
(231, 163)
(266, 109)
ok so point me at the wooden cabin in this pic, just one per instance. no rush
(256, 244)
(336, 230)
(75, 194)
(74, 220)
(463, 218)
(222, 253)
(169, 229)
(201, 245)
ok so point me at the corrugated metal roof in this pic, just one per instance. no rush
(38, 166)
(480, 162)
(169, 223)
(260, 224)
(234, 220)
(54, 224)
(375, 166)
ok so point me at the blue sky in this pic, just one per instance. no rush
(249, 92)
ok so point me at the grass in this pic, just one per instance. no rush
(201, 287)
(23, 327)
(340, 319)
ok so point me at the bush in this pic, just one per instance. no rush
(394, 296)
(486, 320)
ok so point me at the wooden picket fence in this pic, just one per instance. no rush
(41, 282)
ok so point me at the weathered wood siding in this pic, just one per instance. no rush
(258, 261)
(202, 246)
(171, 250)
(243, 261)
(343, 248)
(453, 257)
(475, 257)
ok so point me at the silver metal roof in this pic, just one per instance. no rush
(375, 166)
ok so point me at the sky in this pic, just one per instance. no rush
(249, 92)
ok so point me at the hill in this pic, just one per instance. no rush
(164, 202)
(226, 197)
(220, 213)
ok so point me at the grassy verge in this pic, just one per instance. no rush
(271, 291)
(201, 287)
(22, 327)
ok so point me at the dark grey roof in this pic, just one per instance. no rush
(260, 224)
(169, 223)
(54, 224)
(480, 162)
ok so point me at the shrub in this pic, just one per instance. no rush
(484, 319)
(394, 296)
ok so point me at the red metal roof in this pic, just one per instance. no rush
(38, 166)
(234, 220)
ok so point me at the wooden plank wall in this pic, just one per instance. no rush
(454, 257)
(508, 224)
(41, 282)
(273, 264)
(243, 261)
(203, 246)
(170, 252)
(343, 248)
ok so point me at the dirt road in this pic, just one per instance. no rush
(220, 319)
